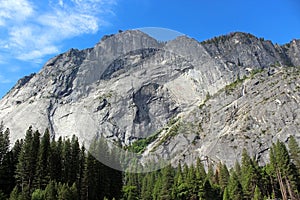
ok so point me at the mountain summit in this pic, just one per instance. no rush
(209, 99)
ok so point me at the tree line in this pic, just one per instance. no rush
(38, 167)
(279, 179)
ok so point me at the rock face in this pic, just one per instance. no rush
(226, 93)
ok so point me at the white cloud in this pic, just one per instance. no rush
(36, 55)
(61, 3)
(34, 29)
(17, 10)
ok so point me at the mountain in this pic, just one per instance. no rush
(182, 98)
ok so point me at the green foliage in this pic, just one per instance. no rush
(232, 86)
(257, 194)
(67, 193)
(38, 194)
(140, 145)
(171, 132)
(60, 169)
(294, 152)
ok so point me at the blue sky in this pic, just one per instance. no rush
(32, 31)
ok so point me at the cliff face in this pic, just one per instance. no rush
(226, 93)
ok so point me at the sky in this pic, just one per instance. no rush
(33, 31)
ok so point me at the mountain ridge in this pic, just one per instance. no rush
(129, 86)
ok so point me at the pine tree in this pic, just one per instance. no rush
(38, 194)
(226, 194)
(66, 162)
(257, 194)
(177, 192)
(294, 150)
(235, 188)
(147, 186)
(90, 179)
(15, 194)
(55, 160)
(26, 167)
(224, 176)
(249, 175)
(74, 161)
(7, 181)
(4, 143)
(80, 181)
(157, 187)
(285, 172)
(51, 191)
(43, 175)
(67, 193)
(167, 183)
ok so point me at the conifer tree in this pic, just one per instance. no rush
(167, 183)
(67, 162)
(38, 194)
(55, 160)
(147, 186)
(285, 172)
(6, 163)
(224, 176)
(235, 188)
(66, 193)
(257, 194)
(43, 176)
(294, 150)
(90, 179)
(74, 161)
(157, 187)
(51, 191)
(248, 175)
(26, 167)
(226, 194)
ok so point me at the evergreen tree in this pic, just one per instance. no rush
(257, 194)
(67, 162)
(74, 161)
(51, 191)
(235, 188)
(294, 150)
(7, 181)
(157, 187)
(67, 193)
(177, 188)
(209, 192)
(226, 194)
(26, 167)
(38, 194)
(285, 172)
(15, 194)
(147, 186)
(167, 183)
(80, 181)
(43, 176)
(224, 176)
(249, 175)
(90, 179)
(55, 160)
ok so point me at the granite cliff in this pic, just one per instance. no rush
(209, 99)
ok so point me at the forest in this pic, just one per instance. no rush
(40, 167)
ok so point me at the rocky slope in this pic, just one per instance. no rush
(206, 99)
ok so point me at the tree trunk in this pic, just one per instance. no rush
(282, 187)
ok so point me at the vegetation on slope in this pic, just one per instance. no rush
(40, 168)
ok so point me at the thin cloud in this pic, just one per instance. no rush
(33, 31)
(4, 80)
(17, 10)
